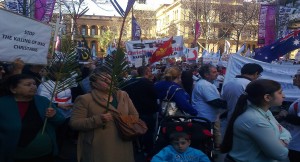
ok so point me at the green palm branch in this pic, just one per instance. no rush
(115, 65)
(63, 70)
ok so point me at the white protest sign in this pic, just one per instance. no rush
(210, 59)
(191, 53)
(22, 37)
(137, 50)
(280, 73)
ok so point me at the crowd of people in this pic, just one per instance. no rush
(35, 123)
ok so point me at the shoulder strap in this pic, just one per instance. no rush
(166, 98)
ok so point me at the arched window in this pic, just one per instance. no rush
(103, 29)
(83, 30)
(93, 30)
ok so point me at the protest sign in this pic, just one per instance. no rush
(22, 37)
(139, 50)
(191, 54)
(280, 73)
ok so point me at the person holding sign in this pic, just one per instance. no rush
(22, 115)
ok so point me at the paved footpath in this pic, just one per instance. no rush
(69, 153)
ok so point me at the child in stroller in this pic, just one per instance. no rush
(179, 150)
(198, 129)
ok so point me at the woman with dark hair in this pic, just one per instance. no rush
(22, 115)
(253, 134)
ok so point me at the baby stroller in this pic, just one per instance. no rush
(199, 129)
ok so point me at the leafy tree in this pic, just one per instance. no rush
(241, 20)
(222, 19)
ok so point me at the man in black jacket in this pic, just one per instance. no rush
(142, 93)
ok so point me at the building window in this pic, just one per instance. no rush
(103, 29)
(83, 30)
(93, 30)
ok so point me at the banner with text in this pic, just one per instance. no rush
(280, 73)
(24, 38)
(266, 25)
(137, 50)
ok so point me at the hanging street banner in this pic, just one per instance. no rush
(22, 37)
(44, 10)
(266, 25)
(280, 73)
(137, 51)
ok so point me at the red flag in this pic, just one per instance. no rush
(197, 31)
(162, 51)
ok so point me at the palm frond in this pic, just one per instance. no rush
(63, 70)
(115, 66)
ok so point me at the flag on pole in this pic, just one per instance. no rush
(129, 6)
(248, 53)
(242, 49)
(197, 31)
(120, 10)
(43, 10)
(136, 30)
(278, 48)
(226, 47)
(164, 50)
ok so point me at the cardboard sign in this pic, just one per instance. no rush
(22, 37)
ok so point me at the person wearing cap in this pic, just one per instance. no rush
(291, 121)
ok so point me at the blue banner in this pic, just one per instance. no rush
(136, 30)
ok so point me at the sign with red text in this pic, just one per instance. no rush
(22, 37)
(137, 51)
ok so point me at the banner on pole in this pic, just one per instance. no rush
(266, 25)
(28, 40)
(139, 50)
(44, 10)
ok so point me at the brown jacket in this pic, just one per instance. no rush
(95, 143)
